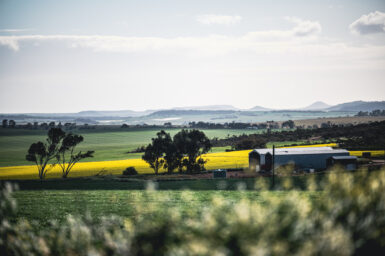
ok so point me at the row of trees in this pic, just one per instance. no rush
(182, 152)
(8, 124)
(376, 112)
(360, 136)
(59, 148)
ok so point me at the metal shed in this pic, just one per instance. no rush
(348, 162)
(303, 158)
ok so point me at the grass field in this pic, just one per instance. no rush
(55, 199)
(108, 145)
(43, 205)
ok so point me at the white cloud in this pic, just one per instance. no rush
(305, 27)
(373, 22)
(302, 40)
(208, 19)
(258, 41)
(14, 30)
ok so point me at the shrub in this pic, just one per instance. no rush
(345, 218)
(130, 171)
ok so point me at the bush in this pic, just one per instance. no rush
(345, 218)
(130, 171)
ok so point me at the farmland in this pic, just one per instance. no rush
(108, 145)
(220, 160)
(236, 159)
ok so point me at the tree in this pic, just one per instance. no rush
(70, 141)
(154, 152)
(192, 144)
(11, 124)
(153, 156)
(5, 123)
(172, 157)
(289, 123)
(249, 143)
(42, 153)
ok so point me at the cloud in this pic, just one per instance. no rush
(14, 30)
(209, 19)
(305, 27)
(257, 41)
(302, 40)
(373, 22)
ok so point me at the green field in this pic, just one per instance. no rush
(107, 144)
(44, 205)
(55, 199)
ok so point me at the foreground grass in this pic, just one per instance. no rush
(343, 214)
(44, 206)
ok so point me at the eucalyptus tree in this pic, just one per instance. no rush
(66, 156)
(42, 153)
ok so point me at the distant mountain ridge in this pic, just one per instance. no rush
(318, 105)
(358, 106)
(354, 106)
(208, 107)
(259, 108)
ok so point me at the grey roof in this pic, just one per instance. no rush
(343, 157)
(312, 152)
(270, 150)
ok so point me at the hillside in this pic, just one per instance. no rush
(358, 106)
(318, 105)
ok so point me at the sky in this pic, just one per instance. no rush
(70, 56)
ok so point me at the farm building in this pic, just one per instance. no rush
(348, 162)
(304, 158)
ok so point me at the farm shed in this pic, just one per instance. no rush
(304, 158)
(348, 162)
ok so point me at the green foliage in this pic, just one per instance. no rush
(154, 152)
(130, 171)
(348, 219)
(181, 151)
(250, 143)
(58, 145)
(191, 144)
(42, 153)
(69, 142)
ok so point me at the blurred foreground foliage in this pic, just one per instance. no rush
(348, 219)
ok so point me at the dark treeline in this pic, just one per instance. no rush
(376, 112)
(360, 136)
(182, 152)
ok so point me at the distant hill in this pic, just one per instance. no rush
(173, 112)
(113, 113)
(258, 108)
(358, 106)
(318, 105)
(208, 107)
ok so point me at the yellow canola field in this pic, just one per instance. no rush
(224, 160)
(236, 159)
(375, 153)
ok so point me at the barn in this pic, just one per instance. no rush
(304, 158)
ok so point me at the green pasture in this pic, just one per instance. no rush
(55, 199)
(108, 145)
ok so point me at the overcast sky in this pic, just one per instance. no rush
(68, 56)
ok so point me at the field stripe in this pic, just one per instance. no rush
(223, 160)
